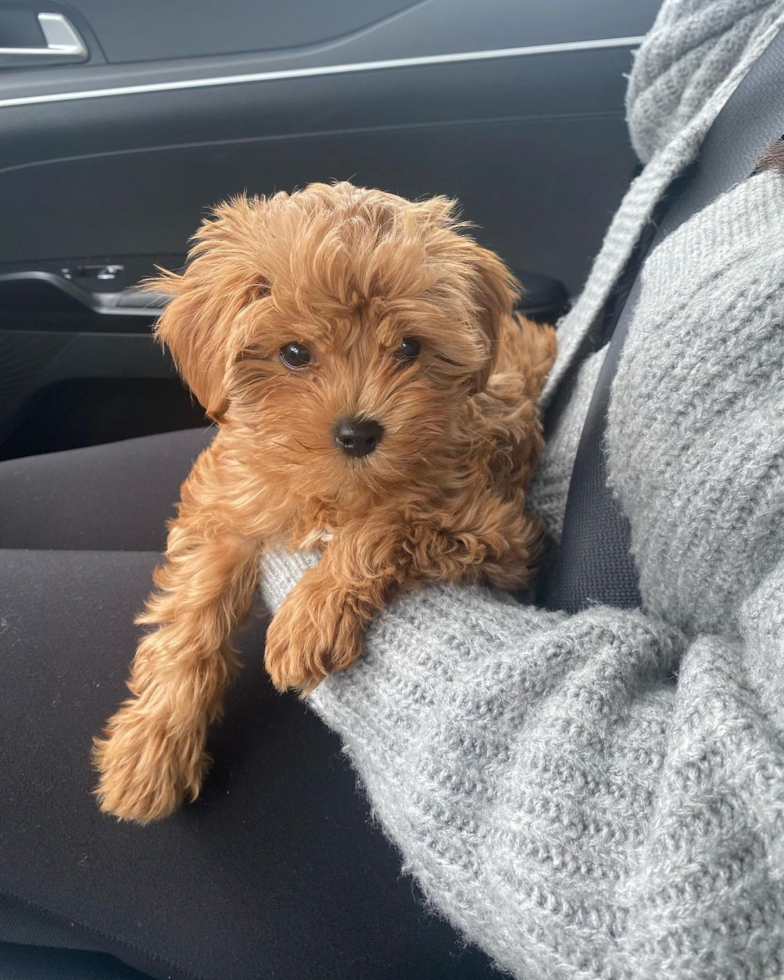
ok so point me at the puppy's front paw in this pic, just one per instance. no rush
(147, 768)
(310, 636)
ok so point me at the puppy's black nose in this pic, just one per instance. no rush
(358, 437)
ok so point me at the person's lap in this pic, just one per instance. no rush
(277, 869)
(115, 497)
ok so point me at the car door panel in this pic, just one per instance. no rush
(514, 108)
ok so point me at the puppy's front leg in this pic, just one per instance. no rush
(152, 753)
(320, 624)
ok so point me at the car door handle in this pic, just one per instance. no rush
(63, 44)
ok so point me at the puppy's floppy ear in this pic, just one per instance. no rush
(199, 324)
(495, 291)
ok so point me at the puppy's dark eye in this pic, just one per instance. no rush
(295, 355)
(408, 351)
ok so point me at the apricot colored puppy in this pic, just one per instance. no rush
(375, 396)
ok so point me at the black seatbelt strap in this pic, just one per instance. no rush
(594, 564)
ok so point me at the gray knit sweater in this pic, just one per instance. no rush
(602, 795)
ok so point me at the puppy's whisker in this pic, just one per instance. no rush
(316, 450)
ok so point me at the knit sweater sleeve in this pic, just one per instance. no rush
(557, 796)
(704, 894)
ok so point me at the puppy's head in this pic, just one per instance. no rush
(338, 329)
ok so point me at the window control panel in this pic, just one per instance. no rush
(100, 273)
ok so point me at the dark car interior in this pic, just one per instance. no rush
(121, 123)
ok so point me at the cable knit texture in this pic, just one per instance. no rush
(703, 479)
(691, 49)
(602, 795)
(744, 31)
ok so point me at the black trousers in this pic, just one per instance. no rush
(277, 871)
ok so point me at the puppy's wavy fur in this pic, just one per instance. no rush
(349, 273)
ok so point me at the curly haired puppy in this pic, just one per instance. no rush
(375, 396)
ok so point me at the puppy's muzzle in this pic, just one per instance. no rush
(358, 437)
